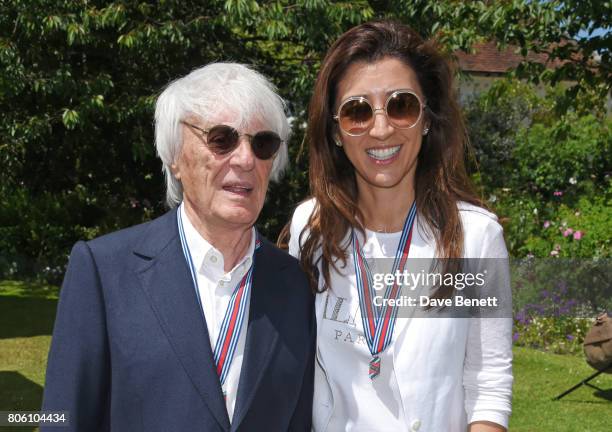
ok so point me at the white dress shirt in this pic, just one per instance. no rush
(437, 375)
(216, 288)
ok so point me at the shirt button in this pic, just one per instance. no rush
(221, 283)
(416, 425)
(213, 259)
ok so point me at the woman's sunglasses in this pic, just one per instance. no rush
(356, 114)
(223, 139)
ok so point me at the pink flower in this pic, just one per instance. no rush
(558, 193)
(578, 235)
(546, 224)
(568, 232)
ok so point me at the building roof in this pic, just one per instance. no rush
(488, 59)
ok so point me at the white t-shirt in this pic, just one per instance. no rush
(361, 403)
(433, 374)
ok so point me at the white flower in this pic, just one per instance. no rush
(573, 180)
(535, 211)
(492, 198)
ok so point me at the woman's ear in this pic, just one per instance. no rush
(336, 135)
(337, 140)
(426, 125)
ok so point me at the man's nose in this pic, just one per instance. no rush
(243, 157)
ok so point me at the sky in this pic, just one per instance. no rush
(596, 32)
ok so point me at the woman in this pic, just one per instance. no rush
(388, 181)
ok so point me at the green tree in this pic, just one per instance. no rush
(79, 78)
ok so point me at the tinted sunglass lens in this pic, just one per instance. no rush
(222, 139)
(265, 144)
(403, 109)
(355, 116)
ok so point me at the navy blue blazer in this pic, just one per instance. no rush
(131, 352)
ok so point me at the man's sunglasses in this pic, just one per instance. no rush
(403, 109)
(223, 139)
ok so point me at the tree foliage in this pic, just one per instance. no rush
(79, 79)
(546, 176)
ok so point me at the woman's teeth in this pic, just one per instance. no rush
(383, 153)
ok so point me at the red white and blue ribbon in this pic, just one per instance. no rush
(379, 322)
(231, 325)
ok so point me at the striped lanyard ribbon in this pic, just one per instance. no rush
(234, 314)
(378, 323)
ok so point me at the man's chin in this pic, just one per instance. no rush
(239, 215)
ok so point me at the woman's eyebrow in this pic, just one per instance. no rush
(387, 93)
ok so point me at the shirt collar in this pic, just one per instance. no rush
(206, 258)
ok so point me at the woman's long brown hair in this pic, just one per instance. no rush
(441, 179)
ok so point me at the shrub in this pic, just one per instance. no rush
(37, 231)
(571, 153)
(583, 231)
(493, 120)
(554, 228)
(554, 322)
(559, 335)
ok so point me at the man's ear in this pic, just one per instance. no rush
(176, 172)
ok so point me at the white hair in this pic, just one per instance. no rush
(206, 92)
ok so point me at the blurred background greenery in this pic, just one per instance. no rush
(79, 79)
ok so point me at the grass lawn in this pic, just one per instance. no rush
(540, 376)
(26, 323)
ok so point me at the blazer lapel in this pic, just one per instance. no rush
(261, 337)
(166, 280)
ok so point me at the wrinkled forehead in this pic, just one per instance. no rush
(245, 121)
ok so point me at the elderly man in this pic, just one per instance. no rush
(192, 322)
